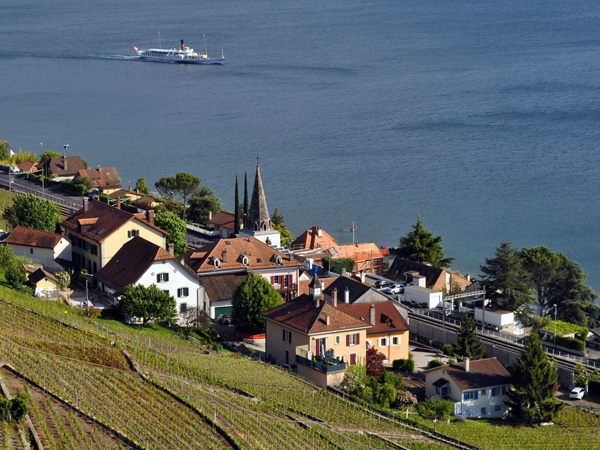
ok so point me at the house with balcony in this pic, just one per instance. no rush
(314, 336)
(51, 250)
(142, 262)
(477, 388)
(222, 264)
(98, 231)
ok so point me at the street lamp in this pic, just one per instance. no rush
(555, 327)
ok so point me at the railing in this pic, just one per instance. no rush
(325, 365)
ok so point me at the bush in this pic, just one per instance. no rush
(436, 408)
(448, 350)
(435, 363)
(75, 188)
(404, 365)
(570, 343)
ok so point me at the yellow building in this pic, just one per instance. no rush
(97, 232)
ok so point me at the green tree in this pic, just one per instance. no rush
(4, 153)
(78, 179)
(175, 227)
(336, 265)
(575, 301)
(167, 187)
(252, 297)
(33, 212)
(420, 245)
(236, 225)
(468, 344)
(277, 223)
(582, 376)
(147, 303)
(49, 154)
(505, 279)
(186, 185)
(203, 202)
(534, 379)
(141, 187)
(15, 274)
(543, 266)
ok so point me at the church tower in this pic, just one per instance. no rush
(260, 219)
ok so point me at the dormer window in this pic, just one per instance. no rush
(216, 263)
(278, 260)
(244, 260)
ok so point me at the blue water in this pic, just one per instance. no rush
(482, 117)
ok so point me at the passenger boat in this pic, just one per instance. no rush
(182, 54)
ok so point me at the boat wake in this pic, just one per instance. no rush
(90, 56)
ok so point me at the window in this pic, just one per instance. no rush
(183, 292)
(166, 291)
(288, 280)
(471, 395)
(396, 340)
(183, 307)
(383, 342)
(483, 411)
(352, 339)
(503, 390)
(444, 391)
(94, 249)
(31, 251)
(497, 408)
(162, 277)
(287, 336)
(95, 267)
(338, 340)
(276, 279)
(483, 392)
(494, 392)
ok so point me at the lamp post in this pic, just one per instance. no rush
(555, 327)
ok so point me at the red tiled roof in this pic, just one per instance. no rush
(40, 274)
(225, 220)
(28, 166)
(310, 239)
(102, 220)
(131, 262)
(33, 238)
(482, 373)
(302, 314)
(258, 254)
(56, 165)
(387, 316)
(304, 289)
(221, 287)
(104, 176)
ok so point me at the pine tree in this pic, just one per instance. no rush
(468, 344)
(505, 279)
(534, 378)
(421, 246)
(236, 225)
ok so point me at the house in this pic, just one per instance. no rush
(235, 258)
(140, 201)
(312, 239)
(98, 231)
(318, 338)
(435, 278)
(44, 284)
(105, 178)
(224, 223)
(422, 297)
(142, 262)
(389, 332)
(29, 166)
(352, 291)
(51, 250)
(477, 388)
(64, 167)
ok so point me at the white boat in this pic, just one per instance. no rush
(183, 55)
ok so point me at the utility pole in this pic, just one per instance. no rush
(555, 327)
(483, 311)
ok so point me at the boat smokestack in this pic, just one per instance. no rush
(182, 45)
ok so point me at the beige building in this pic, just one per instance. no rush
(98, 231)
(316, 337)
(51, 250)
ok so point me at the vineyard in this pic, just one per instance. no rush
(93, 384)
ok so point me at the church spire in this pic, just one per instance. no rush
(259, 219)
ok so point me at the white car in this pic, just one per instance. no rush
(395, 289)
(577, 393)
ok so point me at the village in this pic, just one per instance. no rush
(339, 305)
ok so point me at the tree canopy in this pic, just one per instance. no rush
(277, 224)
(468, 344)
(147, 303)
(534, 378)
(421, 246)
(505, 279)
(166, 187)
(141, 187)
(175, 227)
(543, 266)
(252, 297)
(203, 202)
(33, 212)
(186, 185)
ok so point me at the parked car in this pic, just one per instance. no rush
(224, 319)
(382, 284)
(577, 393)
(395, 289)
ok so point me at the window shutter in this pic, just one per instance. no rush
(493, 392)
(158, 277)
(272, 279)
(291, 279)
(283, 334)
(476, 395)
(128, 233)
(357, 338)
(166, 276)
(289, 337)
(347, 340)
(466, 397)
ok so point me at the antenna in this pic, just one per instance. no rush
(159, 46)
(204, 37)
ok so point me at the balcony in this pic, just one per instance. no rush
(326, 364)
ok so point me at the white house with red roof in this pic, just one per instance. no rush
(51, 250)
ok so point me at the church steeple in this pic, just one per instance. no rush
(260, 219)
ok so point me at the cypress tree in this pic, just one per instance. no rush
(246, 211)
(236, 226)
(534, 379)
(468, 344)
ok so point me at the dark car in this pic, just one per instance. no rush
(224, 319)
(382, 284)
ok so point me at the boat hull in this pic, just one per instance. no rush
(178, 60)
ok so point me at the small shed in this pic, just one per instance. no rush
(422, 297)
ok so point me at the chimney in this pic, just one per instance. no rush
(372, 314)
(317, 302)
(362, 276)
(131, 189)
(171, 248)
(64, 161)
(334, 297)
(99, 169)
(210, 215)
(118, 202)
(467, 365)
(86, 204)
(224, 255)
(319, 232)
(347, 295)
(344, 273)
(291, 257)
(151, 217)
